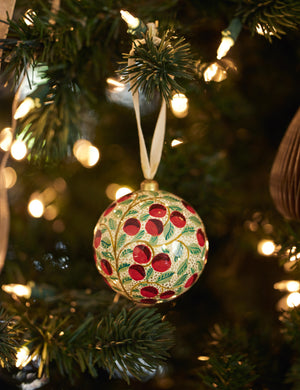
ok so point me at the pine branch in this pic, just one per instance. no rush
(158, 67)
(9, 336)
(275, 17)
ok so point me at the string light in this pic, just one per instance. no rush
(203, 358)
(266, 247)
(28, 17)
(287, 285)
(214, 72)
(10, 177)
(22, 357)
(122, 191)
(24, 108)
(293, 300)
(179, 105)
(87, 154)
(229, 36)
(6, 138)
(18, 289)
(175, 142)
(117, 85)
(18, 150)
(132, 22)
(36, 208)
(225, 45)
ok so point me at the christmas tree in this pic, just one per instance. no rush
(224, 75)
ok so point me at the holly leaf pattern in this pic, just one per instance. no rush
(176, 208)
(107, 255)
(146, 204)
(182, 268)
(105, 242)
(153, 240)
(149, 273)
(168, 231)
(127, 201)
(165, 277)
(139, 235)
(131, 212)
(195, 220)
(121, 241)
(194, 249)
(188, 230)
(181, 280)
(171, 198)
(112, 224)
(126, 252)
(118, 213)
(144, 217)
(123, 266)
(127, 279)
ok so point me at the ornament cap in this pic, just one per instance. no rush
(149, 185)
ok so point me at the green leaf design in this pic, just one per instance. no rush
(153, 240)
(171, 199)
(149, 273)
(135, 290)
(168, 231)
(139, 235)
(182, 268)
(143, 196)
(127, 201)
(127, 279)
(200, 266)
(194, 249)
(105, 242)
(103, 229)
(107, 255)
(179, 290)
(131, 212)
(118, 213)
(121, 240)
(126, 252)
(123, 266)
(176, 208)
(165, 277)
(144, 217)
(177, 251)
(112, 224)
(195, 220)
(188, 230)
(146, 204)
(113, 278)
(181, 280)
(192, 270)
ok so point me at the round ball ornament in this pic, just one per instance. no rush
(150, 245)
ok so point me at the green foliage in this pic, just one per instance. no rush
(94, 334)
(275, 17)
(8, 340)
(159, 66)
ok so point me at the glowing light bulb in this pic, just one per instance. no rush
(131, 20)
(214, 72)
(6, 138)
(87, 154)
(179, 105)
(117, 85)
(176, 142)
(18, 150)
(287, 285)
(10, 177)
(293, 299)
(24, 108)
(23, 357)
(203, 358)
(36, 208)
(266, 247)
(28, 17)
(122, 191)
(225, 45)
(18, 289)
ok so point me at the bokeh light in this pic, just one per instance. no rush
(36, 208)
(6, 138)
(18, 150)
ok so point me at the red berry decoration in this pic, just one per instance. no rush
(137, 272)
(132, 226)
(150, 246)
(154, 227)
(161, 262)
(157, 210)
(178, 219)
(149, 292)
(141, 254)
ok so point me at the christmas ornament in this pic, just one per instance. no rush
(150, 245)
(285, 173)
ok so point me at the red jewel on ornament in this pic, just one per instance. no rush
(149, 291)
(141, 254)
(110, 208)
(161, 262)
(177, 219)
(125, 197)
(167, 294)
(132, 226)
(191, 280)
(157, 210)
(137, 272)
(200, 237)
(188, 207)
(106, 267)
(154, 227)
(148, 301)
(97, 238)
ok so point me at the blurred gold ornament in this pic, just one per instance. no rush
(285, 173)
